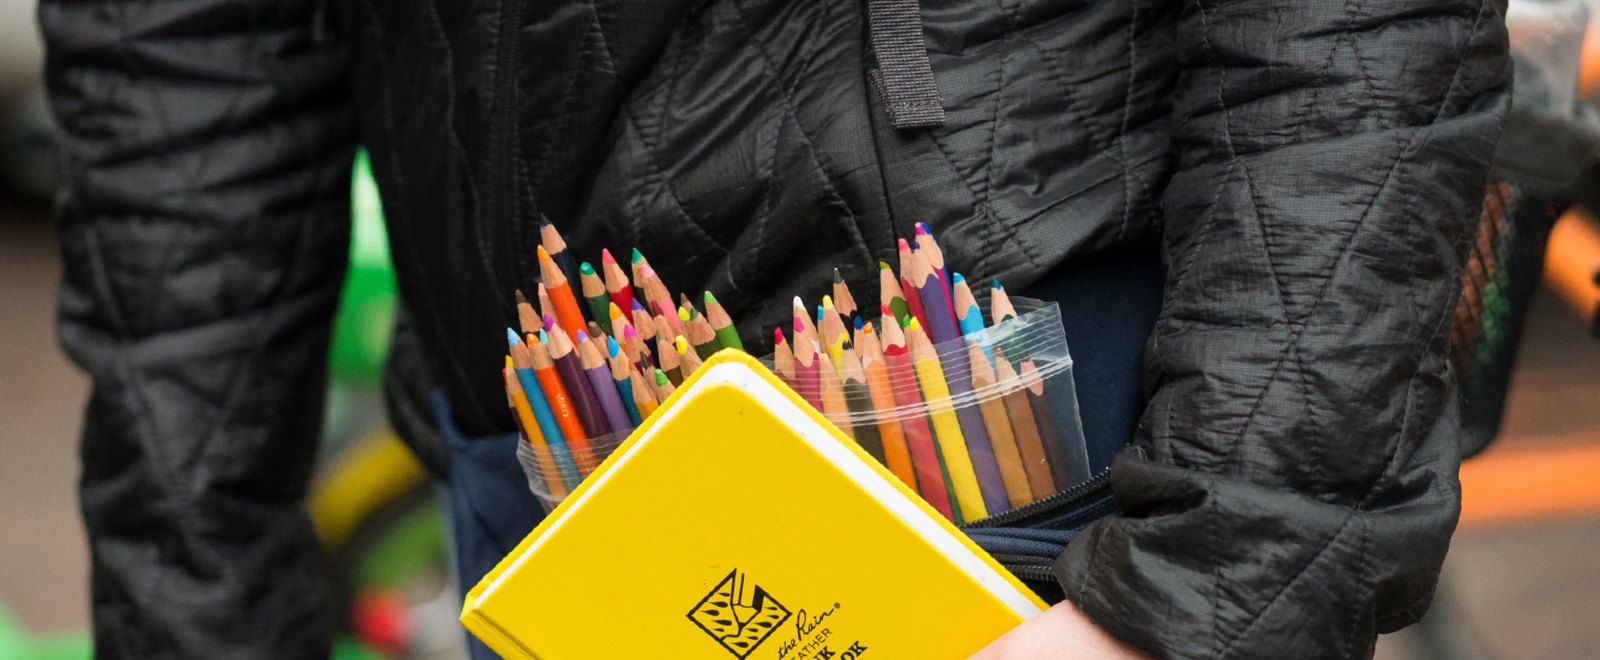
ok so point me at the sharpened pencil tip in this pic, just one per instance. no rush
(710, 299)
(512, 338)
(585, 268)
(883, 265)
(903, 245)
(922, 228)
(544, 255)
(956, 278)
(521, 299)
(995, 283)
(612, 348)
(837, 278)
(605, 256)
(582, 337)
(637, 306)
(637, 255)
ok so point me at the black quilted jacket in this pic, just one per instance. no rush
(1310, 167)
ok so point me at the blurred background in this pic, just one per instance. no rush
(1522, 579)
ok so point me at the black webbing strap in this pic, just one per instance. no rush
(903, 80)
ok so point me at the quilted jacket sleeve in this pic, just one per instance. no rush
(1293, 485)
(204, 229)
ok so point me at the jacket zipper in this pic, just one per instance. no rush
(1068, 496)
(502, 214)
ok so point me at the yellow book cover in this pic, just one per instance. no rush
(737, 522)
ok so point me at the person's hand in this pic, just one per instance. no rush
(1061, 632)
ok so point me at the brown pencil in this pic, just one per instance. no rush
(1023, 425)
(842, 300)
(527, 316)
(1012, 474)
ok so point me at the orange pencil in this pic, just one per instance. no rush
(567, 313)
(566, 417)
(895, 453)
(523, 413)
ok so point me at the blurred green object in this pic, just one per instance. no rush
(16, 644)
(366, 311)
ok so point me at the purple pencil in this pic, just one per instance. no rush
(578, 388)
(605, 387)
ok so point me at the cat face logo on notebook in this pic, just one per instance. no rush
(739, 622)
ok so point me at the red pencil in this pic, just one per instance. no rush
(919, 437)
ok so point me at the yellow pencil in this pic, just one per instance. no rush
(946, 427)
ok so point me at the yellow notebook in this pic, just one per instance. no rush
(737, 522)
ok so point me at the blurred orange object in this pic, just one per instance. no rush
(1571, 258)
(1511, 484)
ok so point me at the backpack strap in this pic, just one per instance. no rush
(903, 78)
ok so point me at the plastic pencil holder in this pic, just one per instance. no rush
(978, 425)
(553, 471)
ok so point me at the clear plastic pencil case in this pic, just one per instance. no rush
(978, 426)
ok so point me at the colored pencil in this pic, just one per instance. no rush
(637, 265)
(522, 408)
(831, 393)
(807, 365)
(896, 454)
(804, 326)
(561, 407)
(782, 357)
(998, 425)
(722, 324)
(842, 300)
(940, 320)
(621, 371)
(646, 327)
(1029, 444)
(688, 358)
(1055, 450)
(890, 296)
(702, 336)
(958, 462)
(1060, 398)
(594, 294)
(934, 256)
(547, 309)
(618, 287)
(832, 331)
(581, 393)
(913, 303)
(550, 239)
(664, 386)
(667, 361)
(659, 300)
(1000, 307)
(644, 394)
(605, 387)
(969, 317)
(527, 317)
(556, 286)
(918, 435)
(859, 403)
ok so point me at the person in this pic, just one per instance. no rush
(1299, 176)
